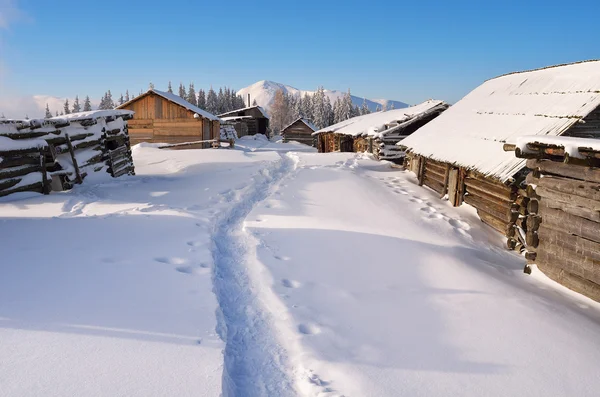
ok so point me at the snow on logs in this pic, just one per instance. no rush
(563, 236)
(53, 154)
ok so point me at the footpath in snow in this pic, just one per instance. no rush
(271, 270)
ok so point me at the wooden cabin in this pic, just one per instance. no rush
(301, 131)
(562, 226)
(248, 121)
(167, 118)
(378, 133)
(460, 153)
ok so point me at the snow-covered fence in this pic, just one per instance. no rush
(563, 224)
(53, 154)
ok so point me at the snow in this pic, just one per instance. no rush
(235, 118)
(266, 270)
(541, 102)
(93, 114)
(263, 92)
(570, 145)
(7, 144)
(374, 124)
(260, 109)
(308, 123)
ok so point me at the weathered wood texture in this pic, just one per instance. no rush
(567, 204)
(299, 131)
(160, 120)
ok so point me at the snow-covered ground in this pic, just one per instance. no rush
(270, 270)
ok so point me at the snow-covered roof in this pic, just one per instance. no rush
(260, 109)
(571, 146)
(538, 102)
(376, 124)
(234, 118)
(308, 123)
(178, 100)
(93, 114)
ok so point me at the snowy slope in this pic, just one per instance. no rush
(270, 271)
(264, 92)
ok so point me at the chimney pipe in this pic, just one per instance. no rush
(248, 99)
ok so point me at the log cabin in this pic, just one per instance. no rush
(563, 223)
(460, 153)
(167, 118)
(379, 132)
(301, 131)
(248, 121)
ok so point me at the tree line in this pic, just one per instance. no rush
(216, 102)
(317, 108)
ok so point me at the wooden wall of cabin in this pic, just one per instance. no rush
(564, 224)
(299, 132)
(590, 128)
(159, 120)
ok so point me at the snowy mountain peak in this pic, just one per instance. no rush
(263, 92)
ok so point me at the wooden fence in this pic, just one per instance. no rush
(53, 154)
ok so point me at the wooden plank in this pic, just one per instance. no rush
(36, 187)
(7, 173)
(589, 190)
(78, 177)
(495, 223)
(552, 195)
(552, 235)
(498, 211)
(567, 170)
(570, 224)
(552, 268)
(446, 178)
(492, 189)
(581, 266)
(592, 215)
(453, 187)
(433, 184)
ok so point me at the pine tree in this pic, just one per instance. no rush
(76, 105)
(126, 96)
(48, 114)
(87, 105)
(67, 109)
(307, 107)
(182, 92)
(355, 111)
(109, 101)
(254, 103)
(212, 102)
(337, 110)
(121, 100)
(202, 99)
(170, 89)
(320, 117)
(221, 103)
(57, 113)
(191, 95)
(364, 109)
(347, 108)
(328, 112)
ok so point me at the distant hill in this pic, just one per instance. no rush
(264, 92)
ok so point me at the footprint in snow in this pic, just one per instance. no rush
(290, 283)
(416, 200)
(429, 210)
(309, 329)
(191, 269)
(171, 261)
(400, 191)
(282, 258)
(459, 224)
(193, 243)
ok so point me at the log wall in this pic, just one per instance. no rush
(564, 223)
(160, 120)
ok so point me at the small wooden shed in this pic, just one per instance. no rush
(461, 152)
(563, 224)
(167, 118)
(378, 133)
(301, 131)
(248, 121)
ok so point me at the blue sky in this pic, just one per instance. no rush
(408, 51)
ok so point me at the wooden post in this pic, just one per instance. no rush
(45, 184)
(446, 178)
(72, 152)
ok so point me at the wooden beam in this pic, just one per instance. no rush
(590, 190)
(566, 170)
(570, 224)
(552, 268)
